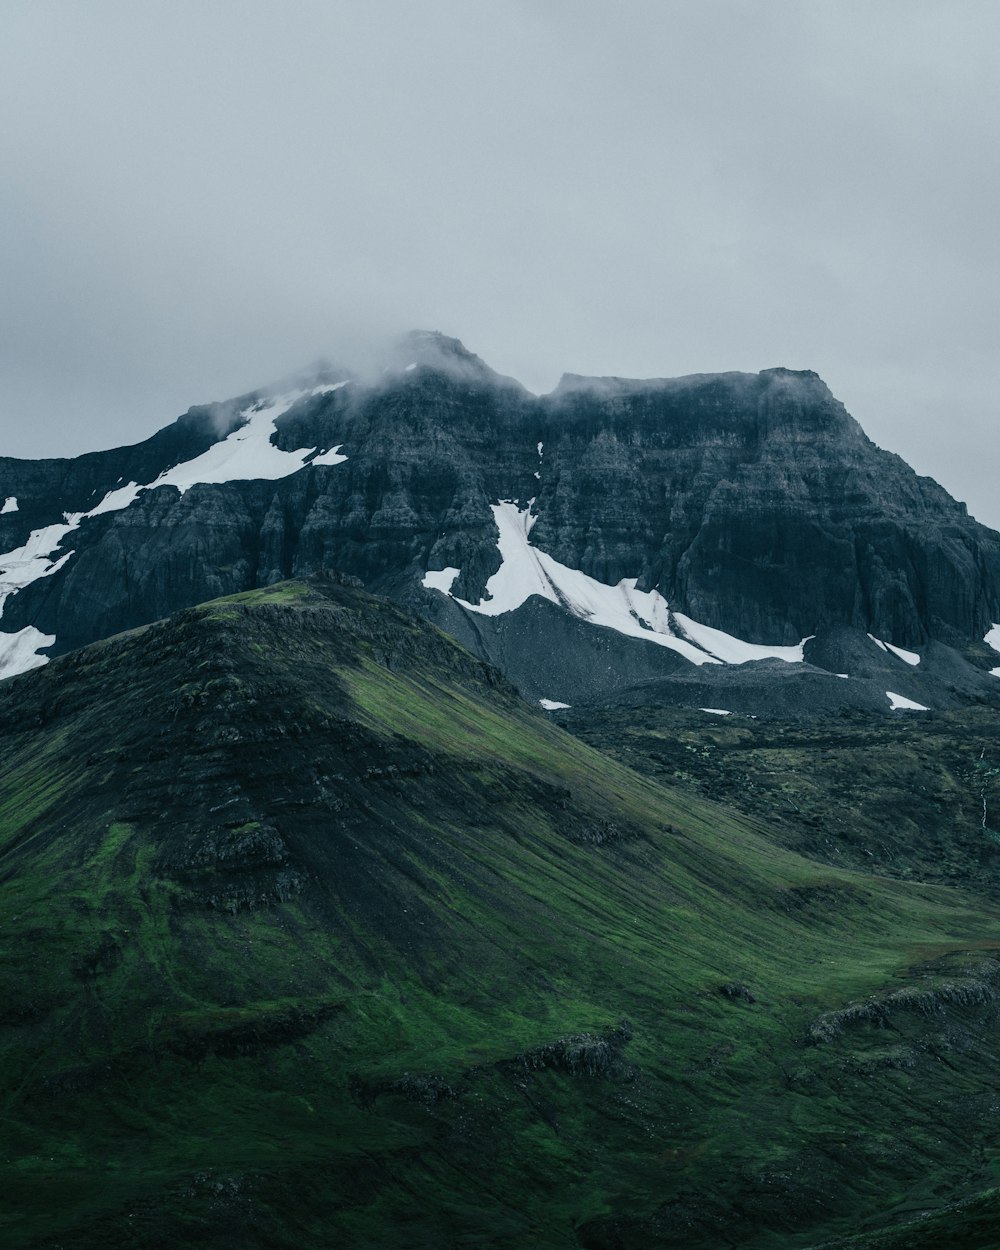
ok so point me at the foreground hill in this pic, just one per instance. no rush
(685, 531)
(314, 933)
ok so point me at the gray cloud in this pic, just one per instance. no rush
(199, 198)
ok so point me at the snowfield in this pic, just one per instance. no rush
(525, 571)
(248, 454)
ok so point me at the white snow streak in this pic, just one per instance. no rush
(716, 711)
(24, 565)
(732, 650)
(246, 455)
(551, 705)
(9, 505)
(992, 639)
(525, 571)
(332, 456)
(441, 579)
(910, 657)
(116, 500)
(900, 702)
(18, 652)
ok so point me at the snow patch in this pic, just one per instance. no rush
(732, 650)
(910, 657)
(440, 579)
(19, 652)
(716, 711)
(551, 705)
(26, 564)
(9, 505)
(995, 672)
(246, 455)
(846, 676)
(332, 456)
(410, 368)
(900, 702)
(992, 639)
(525, 571)
(116, 500)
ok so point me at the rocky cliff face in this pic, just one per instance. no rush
(753, 504)
(758, 503)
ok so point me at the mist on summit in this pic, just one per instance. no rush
(197, 199)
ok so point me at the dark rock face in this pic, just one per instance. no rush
(754, 503)
(759, 504)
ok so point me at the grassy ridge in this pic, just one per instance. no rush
(313, 933)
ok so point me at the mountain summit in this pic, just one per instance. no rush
(737, 530)
(435, 350)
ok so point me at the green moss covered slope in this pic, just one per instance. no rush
(314, 934)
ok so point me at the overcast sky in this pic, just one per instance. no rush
(196, 198)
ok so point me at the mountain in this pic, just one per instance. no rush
(315, 933)
(727, 540)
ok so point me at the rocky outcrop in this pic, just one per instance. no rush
(974, 989)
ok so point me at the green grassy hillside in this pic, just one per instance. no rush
(314, 934)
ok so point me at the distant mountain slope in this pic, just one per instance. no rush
(908, 796)
(709, 519)
(313, 933)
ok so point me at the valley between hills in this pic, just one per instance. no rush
(315, 933)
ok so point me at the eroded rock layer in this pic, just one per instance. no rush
(752, 503)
